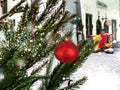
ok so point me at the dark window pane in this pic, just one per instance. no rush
(4, 6)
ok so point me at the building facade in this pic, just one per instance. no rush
(93, 15)
(97, 15)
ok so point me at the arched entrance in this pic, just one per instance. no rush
(106, 26)
(98, 26)
(89, 25)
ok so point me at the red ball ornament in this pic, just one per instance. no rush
(66, 51)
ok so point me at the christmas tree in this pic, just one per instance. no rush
(33, 43)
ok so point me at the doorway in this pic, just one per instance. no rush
(4, 6)
(98, 26)
(106, 27)
(89, 25)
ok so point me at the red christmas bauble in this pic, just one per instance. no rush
(66, 51)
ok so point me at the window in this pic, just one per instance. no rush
(4, 6)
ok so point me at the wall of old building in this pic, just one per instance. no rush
(111, 12)
(87, 7)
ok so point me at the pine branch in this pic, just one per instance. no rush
(39, 68)
(55, 16)
(39, 55)
(49, 69)
(47, 73)
(26, 82)
(56, 69)
(30, 45)
(13, 10)
(68, 68)
(34, 10)
(76, 84)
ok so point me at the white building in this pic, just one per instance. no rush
(108, 12)
(89, 10)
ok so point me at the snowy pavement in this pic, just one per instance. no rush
(102, 70)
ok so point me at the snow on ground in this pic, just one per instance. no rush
(102, 70)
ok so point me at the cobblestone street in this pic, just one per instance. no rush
(102, 70)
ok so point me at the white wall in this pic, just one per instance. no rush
(112, 12)
(87, 6)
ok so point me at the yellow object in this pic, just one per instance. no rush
(107, 45)
(110, 39)
(96, 39)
